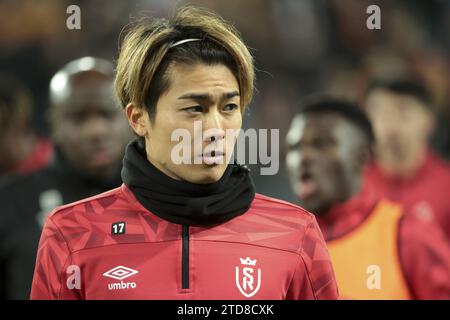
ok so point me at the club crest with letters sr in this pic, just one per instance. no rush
(248, 278)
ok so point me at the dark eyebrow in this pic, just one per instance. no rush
(232, 94)
(206, 96)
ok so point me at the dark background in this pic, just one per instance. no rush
(300, 47)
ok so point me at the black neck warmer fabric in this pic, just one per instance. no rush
(182, 202)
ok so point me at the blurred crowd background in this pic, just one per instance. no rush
(300, 47)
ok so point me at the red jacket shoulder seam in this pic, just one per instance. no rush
(69, 254)
(60, 232)
(308, 276)
(301, 252)
(110, 193)
(282, 202)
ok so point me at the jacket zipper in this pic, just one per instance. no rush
(185, 258)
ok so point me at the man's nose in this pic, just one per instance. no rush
(212, 119)
(96, 127)
(307, 154)
(213, 127)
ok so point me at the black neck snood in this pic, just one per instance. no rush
(183, 202)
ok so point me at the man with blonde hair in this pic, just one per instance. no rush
(190, 230)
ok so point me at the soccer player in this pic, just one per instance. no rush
(405, 169)
(378, 251)
(90, 134)
(190, 230)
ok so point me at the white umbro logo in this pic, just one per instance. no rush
(120, 273)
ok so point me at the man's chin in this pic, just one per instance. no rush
(101, 171)
(313, 205)
(205, 174)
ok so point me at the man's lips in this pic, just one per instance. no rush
(100, 158)
(306, 186)
(213, 157)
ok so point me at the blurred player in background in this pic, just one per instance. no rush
(21, 151)
(90, 134)
(405, 169)
(378, 251)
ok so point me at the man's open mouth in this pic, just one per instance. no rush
(306, 186)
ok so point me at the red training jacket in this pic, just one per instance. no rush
(110, 247)
(425, 194)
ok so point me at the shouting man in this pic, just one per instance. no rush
(378, 251)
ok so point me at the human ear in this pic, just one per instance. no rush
(136, 118)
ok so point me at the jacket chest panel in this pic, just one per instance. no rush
(217, 270)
